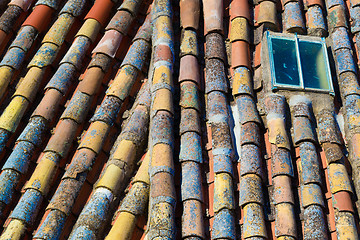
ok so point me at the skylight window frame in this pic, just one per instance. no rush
(296, 39)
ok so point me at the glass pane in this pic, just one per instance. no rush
(313, 65)
(285, 62)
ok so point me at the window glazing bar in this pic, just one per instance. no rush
(299, 62)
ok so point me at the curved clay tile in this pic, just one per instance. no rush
(190, 14)
(23, 4)
(316, 22)
(240, 9)
(9, 17)
(213, 16)
(99, 11)
(38, 17)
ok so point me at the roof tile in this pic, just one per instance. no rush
(267, 14)
(303, 130)
(246, 104)
(254, 224)
(315, 223)
(99, 10)
(311, 194)
(217, 111)
(215, 76)
(189, 14)
(223, 164)
(123, 226)
(315, 21)
(95, 136)
(345, 61)
(342, 201)
(190, 186)
(242, 83)
(310, 164)
(241, 55)
(189, 69)
(251, 160)
(13, 58)
(109, 43)
(310, 3)
(193, 210)
(78, 105)
(62, 79)
(333, 152)
(282, 192)
(355, 17)
(285, 224)
(51, 3)
(9, 17)
(190, 121)
(250, 134)
(188, 44)
(23, 4)
(223, 189)
(131, 6)
(90, 83)
(250, 189)
(213, 16)
(89, 29)
(345, 226)
(214, 47)
(336, 17)
(62, 138)
(11, 117)
(223, 226)
(328, 131)
(37, 18)
(348, 83)
(240, 9)
(339, 180)
(293, 21)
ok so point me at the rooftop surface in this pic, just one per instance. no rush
(168, 120)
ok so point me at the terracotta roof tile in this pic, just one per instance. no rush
(37, 18)
(267, 14)
(240, 9)
(190, 14)
(213, 16)
(9, 17)
(292, 18)
(99, 11)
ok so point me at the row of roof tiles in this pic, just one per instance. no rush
(190, 154)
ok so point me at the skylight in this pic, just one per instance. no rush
(299, 63)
